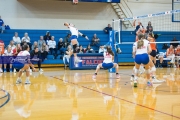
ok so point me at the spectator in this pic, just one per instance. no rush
(89, 50)
(174, 44)
(17, 49)
(36, 57)
(2, 26)
(24, 44)
(16, 38)
(170, 54)
(44, 51)
(61, 46)
(149, 28)
(26, 39)
(95, 41)
(47, 36)
(52, 46)
(67, 55)
(160, 56)
(101, 49)
(41, 41)
(80, 50)
(67, 40)
(107, 29)
(11, 44)
(34, 45)
(177, 54)
(7, 53)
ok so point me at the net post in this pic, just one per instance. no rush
(120, 29)
(112, 44)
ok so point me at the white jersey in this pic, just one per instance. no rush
(74, 31)
(107, 57)
(23, 57)
(143, 49)
(24, 53)
(6, 53)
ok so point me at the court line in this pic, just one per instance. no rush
(121, 99)
(8, 95)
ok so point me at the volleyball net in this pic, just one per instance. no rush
(164, 27)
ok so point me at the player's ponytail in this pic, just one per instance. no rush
(140, 41)
(109, 50)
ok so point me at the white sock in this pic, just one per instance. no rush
(27, 78)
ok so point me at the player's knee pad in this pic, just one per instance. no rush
(98, 66)
(147, 71)
(134, 68)
(21, 70)
(136, 71)
(153, 68)
(74, 48)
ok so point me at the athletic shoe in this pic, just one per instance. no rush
(27, 81)
(94, 76)
(154, 80)
(40, 70)
(5, 71)
(117, 76)
(18, 81)
(1, 71)
(132, 78)
(149, 84)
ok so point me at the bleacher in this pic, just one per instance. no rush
(126, 36)
(35, 34)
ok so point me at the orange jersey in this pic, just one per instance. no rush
(153, 45)
(177, 52)
(169, 51)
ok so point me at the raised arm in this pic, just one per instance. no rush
(134, 23)
(66, 24)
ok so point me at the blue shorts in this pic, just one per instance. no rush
(73, 37)
(142, 59)
(18, 65)
(107, 65)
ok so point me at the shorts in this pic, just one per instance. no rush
(73, 37)
(18, 65)
(142, 59)
(153, 53)
(107, 65)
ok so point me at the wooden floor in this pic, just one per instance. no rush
(73, 95)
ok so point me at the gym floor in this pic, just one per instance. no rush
(58, 94)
